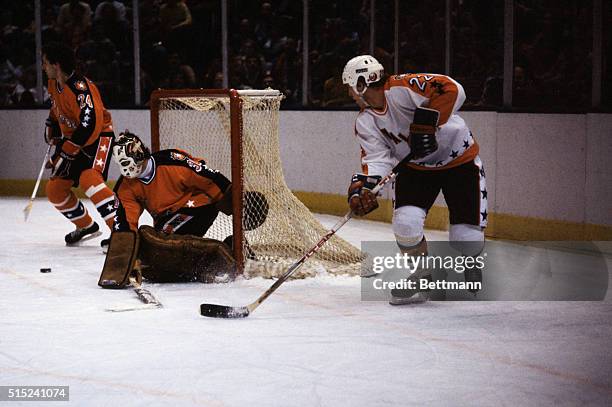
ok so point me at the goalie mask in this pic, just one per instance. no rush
(363, 66)
(131, 154)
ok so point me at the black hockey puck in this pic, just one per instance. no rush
(45, 270)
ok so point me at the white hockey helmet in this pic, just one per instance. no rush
(130, 154)
(364, 66)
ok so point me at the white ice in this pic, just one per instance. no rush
(312, 343)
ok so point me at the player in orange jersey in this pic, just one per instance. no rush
(417, 114)
(81, 129)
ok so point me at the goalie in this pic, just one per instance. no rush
(184, 197)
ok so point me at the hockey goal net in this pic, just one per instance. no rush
(237, 133)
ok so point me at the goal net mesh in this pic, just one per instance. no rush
(202, 126)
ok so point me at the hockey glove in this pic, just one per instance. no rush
(53, 133)
(422, 137)
(360, 197)
(64, 160)
(61, 166)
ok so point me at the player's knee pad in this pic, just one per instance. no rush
(408, 223)
(467, 239)
(58, 191)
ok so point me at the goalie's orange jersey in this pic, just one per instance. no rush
(79, 110)
(175, 181)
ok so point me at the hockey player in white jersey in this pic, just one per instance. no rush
(417, 114)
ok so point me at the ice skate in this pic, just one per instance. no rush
(411, 296)
(78, 236)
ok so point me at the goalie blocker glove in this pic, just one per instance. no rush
(423, 132)
(360, 197)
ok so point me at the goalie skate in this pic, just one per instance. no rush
(81, 235)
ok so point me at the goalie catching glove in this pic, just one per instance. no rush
(422, 137)
(360, 197)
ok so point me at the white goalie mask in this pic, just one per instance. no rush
(130, 154)
(363, 66)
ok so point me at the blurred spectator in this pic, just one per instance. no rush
(98, 60)
(175, 22)
(174, 14)
(110, 24)
(335, 93)
(242, 35)
(264, 23)
(253, 73)
(217, 82)
(74, 22)
(287, 72)
(116, 5)
(24, 93)
(268, 81)
(178, 75)
(236, 68)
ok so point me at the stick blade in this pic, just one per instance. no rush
(26, 211)
(223, 311)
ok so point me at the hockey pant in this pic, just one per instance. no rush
(91, 180)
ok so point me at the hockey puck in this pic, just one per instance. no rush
(45, 270)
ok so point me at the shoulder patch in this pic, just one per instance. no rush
(80, 85)
(177, 156)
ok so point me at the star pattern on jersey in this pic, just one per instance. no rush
(103, 148)
(87, 110)
(110, 207)
(100, 162)
(482, 172)
(190, 203)
(80, 85)
(466, 143)
(84, 124)
(484, 193)
(439, 163)
(484, 215)
(454, 154)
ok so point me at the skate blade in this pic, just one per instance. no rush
(417, 298)
(86, 238)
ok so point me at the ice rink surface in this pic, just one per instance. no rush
(312, 343)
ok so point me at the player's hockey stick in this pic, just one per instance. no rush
(224, 311)
(28, 208)
(143, 294)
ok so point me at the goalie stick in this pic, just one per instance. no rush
(28, 208)
(422, 116)
(224, 311)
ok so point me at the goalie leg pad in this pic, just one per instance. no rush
(120, 259)
(182, 258)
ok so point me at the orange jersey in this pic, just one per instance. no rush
(79, 110)
(172, 181)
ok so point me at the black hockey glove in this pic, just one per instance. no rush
(360, 197)
(423, 132)
(53, 133)
(61, 166)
